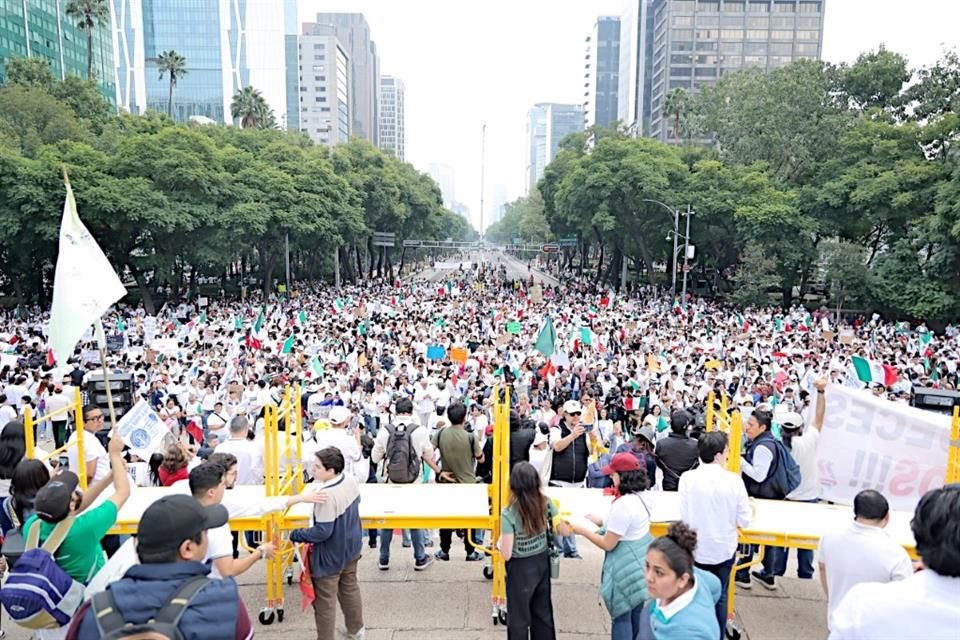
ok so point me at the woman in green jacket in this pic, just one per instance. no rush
(625, 537)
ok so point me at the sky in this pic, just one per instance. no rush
(466, 64)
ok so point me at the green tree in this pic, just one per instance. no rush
(30, 73)
(88, 14)
(845, 267)
(32, 118)
(755, 278)
(677, 105)
(875, 80)
(251, 109)
(174, 65)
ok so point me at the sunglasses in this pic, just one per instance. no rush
(574, 413)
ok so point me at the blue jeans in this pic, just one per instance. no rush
(567, 544)
(804, 562)
(416, 537)
(769, 559)
(722, 571)
(627, 625)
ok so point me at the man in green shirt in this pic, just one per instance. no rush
(459, 452)
(80, 555)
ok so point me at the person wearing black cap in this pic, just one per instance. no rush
(171, 545)
(678, 452)
(80, 554)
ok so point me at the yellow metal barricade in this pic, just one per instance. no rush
(30, 425)
(953, 454)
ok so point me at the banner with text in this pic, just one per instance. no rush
(872, 443)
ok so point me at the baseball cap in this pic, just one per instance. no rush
(172, 519)
(52, 503)
(620, 463)
(790, 420)
(572, 406)
(339, 415)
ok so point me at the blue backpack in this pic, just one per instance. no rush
(595, 477)
(786, 476)
(38, 594)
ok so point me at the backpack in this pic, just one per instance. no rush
(402, 462)
(38, 593)
(163, 626)
(13, 544)
(786, 476)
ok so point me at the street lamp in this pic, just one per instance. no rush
(676, 233)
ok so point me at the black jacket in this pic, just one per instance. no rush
(675, 455)
(570, 465)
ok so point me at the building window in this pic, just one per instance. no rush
(808, 35)
(808, 23)
(755, 61)
(683, 21)
(755, 48)
(319, 78)
(781, 48)
(809, 7)
(781, 34)
(758, 22)
(681, 59)
(682, 34)
(731, 47)
(783, 7)
(757, 34)
(319, 56)
(759, 6)
(706, 72)
(707, 45)
(782, 22)
(805, 49)
(734, 6)
(683, 5)
(321, 98)
(318, 67)
(318, 46)
(708, 59)
(732, 61)
(708, 5)
(733, 21)
(731, 34)
(706, 34)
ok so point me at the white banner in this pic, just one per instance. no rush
(142, 430)
(873, 443)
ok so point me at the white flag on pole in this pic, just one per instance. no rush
(84, 285)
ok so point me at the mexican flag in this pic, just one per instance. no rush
(258, 325)
(237, 323)
(778, 323)
(547, 339)
(316, 367)
(677, 307)
(338, 305)
(121, 327)
(203, 317)
(872, 371)
(302, 318)
(743, 323)
(807, 323)
(287, 345)
(586, 336)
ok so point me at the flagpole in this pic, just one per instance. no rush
(102, 348)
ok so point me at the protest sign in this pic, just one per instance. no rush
(458, 355)
(536, 294)
(514, 327)
(436, 352)
(149, 330)
(142, 430)
(846, 336)
(872, 443)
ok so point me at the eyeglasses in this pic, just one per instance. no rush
(95, 418)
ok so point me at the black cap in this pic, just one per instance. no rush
(172, 519)
(52, 503)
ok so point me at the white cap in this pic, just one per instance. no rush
(572, 406)
(790, 420)
(339, 415)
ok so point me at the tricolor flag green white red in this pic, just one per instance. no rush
(869, 371)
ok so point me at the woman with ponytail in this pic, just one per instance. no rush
(683, 598)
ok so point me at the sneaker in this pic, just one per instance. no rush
(474, 557)
(742, 580)
(442, 555)
(428, 542)
(423, 563)
(407, 544)
(384, 564)
(346, 635)
(769, 582)
(575, 556)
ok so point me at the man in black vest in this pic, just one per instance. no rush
(570, 456)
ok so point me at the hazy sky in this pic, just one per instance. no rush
(466, 63)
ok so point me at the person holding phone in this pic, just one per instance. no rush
(571, 454)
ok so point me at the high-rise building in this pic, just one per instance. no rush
(353, 32)
(227, 46)
(547, 125)
(446, 177)
(602, 73)
(392, 116)
(324, 67)
(697, 41)
(633, 90)
(291, 52)
(42, 29)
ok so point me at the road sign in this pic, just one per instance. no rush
(550, 248)
(384, 239)
(412, 243)
(567, 242)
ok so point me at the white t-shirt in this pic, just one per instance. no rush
(860, 553)
(92, 450)
(249, 456)
(804, 450)
(57, 402)
(219, 545)
(628, 517)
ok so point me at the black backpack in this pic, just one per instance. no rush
(163, 626)
(402, 461)
(14, 544)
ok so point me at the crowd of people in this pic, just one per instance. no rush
(396, 382)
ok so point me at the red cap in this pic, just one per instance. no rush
(620, 463)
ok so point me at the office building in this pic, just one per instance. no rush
(291, 52)
(392, 116)
(696, 41)
(602, 73)
(446, 177)
(42, 29)
(325, 87)
(547, 125)
(633, 86)
(353, 33)
(227, 46)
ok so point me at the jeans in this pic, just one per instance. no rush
(370, 424)
(344, 587)
(567, 544)
(529, 604)
(416, 537)
(446, 539)
(769, 560)
(626, 626)
(804, 560)
(722, 571)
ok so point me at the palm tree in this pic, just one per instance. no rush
(171, 62)
(676, 104)
(89, 14)
(251, 109)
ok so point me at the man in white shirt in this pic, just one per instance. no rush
(7, 411)
(57, 402)
(348, 442)
(97, 462)
(714, 502)
(217, 422)
(924, 605)
(423, 402)
(248, 453)
(863, 552)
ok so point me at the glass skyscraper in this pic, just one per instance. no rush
(227, 44)
(42, 29)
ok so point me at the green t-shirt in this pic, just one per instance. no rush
(525, 546)
(80, 555)
(457, 454)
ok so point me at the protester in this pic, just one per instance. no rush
(714, 503)
(677, 453)
(571, 452)
(459, 452)
(625, 538)
(248, 454)
(861, 553)
(97, 461)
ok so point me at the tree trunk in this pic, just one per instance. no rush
(359, 274)
(403, 256)
(89, 53)
(600, 262)
(145, 294)
(170, 98)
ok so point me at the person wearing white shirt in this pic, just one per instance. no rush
(248, 453)
(924, 605)
(423, 403)
(57, 402)
(217, 422)
(347, 442)
(7, 412)
(863, 552)
(97, 462)
(714, 502)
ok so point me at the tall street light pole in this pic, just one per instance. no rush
(686, 253)
(675, 213)
(483, 166)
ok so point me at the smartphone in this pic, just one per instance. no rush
(588, 428)
(64, 463)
